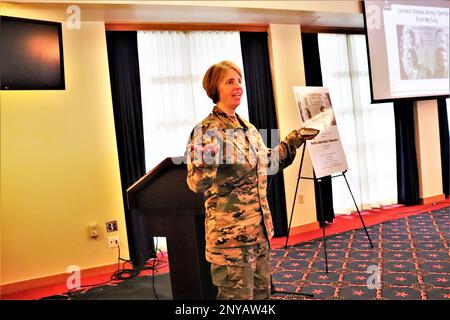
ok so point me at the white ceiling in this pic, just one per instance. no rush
(186, 12)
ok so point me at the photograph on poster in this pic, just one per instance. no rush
(316, 111)
(316, 107)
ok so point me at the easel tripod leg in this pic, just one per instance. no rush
(323, 226)
(359, 213)
(295, 196)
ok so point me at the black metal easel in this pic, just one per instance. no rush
(321, 213)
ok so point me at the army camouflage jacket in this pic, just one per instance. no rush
(232, 174)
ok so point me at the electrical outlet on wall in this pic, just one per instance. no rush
(113, 241)
(301, 198)
(93, 230)
(111, 226)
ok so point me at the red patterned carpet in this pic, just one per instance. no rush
(409, 261)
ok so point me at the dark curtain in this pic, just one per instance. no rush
(261, 107)
(445, 143)
(313, 75)
(126, 96)
(407, 172)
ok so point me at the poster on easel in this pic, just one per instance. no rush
(316, 111)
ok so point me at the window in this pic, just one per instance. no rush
(367, 130)
(172, 65)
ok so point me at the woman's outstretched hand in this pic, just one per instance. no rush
(308, 133)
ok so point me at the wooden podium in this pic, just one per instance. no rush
(170, 209)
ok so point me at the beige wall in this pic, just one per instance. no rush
(428, 148)
(59, 165)
(287, 71)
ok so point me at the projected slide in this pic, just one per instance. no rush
(408, 47)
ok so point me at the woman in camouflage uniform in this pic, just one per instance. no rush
(229, 162)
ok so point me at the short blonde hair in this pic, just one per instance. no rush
(213, 76)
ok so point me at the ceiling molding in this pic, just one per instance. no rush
(186, 27)
(136, 12)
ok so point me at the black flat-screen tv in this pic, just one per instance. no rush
(31, 54)
(408, 48)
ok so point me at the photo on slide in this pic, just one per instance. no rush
(423, 52)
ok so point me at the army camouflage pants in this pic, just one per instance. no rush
(247, 281)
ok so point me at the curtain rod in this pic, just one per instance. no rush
(125, 26)
(331, 29)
